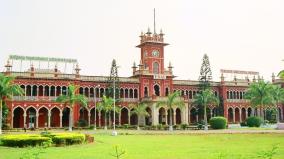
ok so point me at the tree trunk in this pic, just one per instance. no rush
(171, 125)
(71, 119)
(0, 116)
(105, 120)
(205, 118)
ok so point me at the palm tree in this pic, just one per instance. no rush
(281, 74)
(107, 105)
(7, 90)
(278, 96)
(172, 100)
(260, 95)
(204, 99)
(140, 111)
(71, 99)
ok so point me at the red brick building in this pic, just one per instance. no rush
(150, 82)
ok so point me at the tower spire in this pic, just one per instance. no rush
(154, 22)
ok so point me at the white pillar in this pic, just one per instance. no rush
(211, 113)
(61, 115)
(37, 115)
(246, 113)
(240, 114)
(281, 109)
(99, 113)
(25, 119)
(155, 115)
(119, 119)
(197, 116)
(48, 119)
(12, 119)
(185, 110)
(166, 112)
(234, 117)
(188, 110)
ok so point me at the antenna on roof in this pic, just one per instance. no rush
(154, 22)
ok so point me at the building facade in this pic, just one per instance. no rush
(151, 82)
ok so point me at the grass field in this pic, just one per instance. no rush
(177, 146)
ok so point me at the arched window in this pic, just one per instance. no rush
(146, 92)
(157, 90)
(167, 91)
(156, 67)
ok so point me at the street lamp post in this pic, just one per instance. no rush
(95, 100)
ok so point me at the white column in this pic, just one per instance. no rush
(48, 119)
(99, 113)
(37, 115)
(25, 119)
(12, 119)
(166, 113)
(185, 110)
(240, 114)
(188, 111)
(234, 117)
(197, 115)
(119, 119)
(61, 115)
(211, 113)
(155, 115)
(246, 113)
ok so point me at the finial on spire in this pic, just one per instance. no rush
(154, 21)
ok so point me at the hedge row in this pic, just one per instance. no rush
(218, 122)
(46, 139)
(25, 140)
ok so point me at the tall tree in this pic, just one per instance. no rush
(281, 74)
(205, 98)
(278, 97)
(173, 100)
(107, 105)
(260, 95)
(205, 73)
(140, 111)
(71, 99)
(7, 90)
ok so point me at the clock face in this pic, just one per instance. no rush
(155, 53)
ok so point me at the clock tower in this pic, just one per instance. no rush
(155, 80)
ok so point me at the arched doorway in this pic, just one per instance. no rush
(193, 115)
(65, 117)
(178, 116)
(162, 116)
(230, 115)
(83, 117)
(92, 122)
(31, 117)
(55, 117)
(250, 112)
(43, 117)
(133, 118)
(124, 116)
(18, 118)
(157, 90)
(237, 115)
(243, 114)
(148, 119)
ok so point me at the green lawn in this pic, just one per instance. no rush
(182, 146)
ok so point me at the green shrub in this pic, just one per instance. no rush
(254, 121)
(243, 123)
(68, 139)
(160, 126)
(183, 126)
(125, 126)
(218, 122)
(25, 140)
(82, 123)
